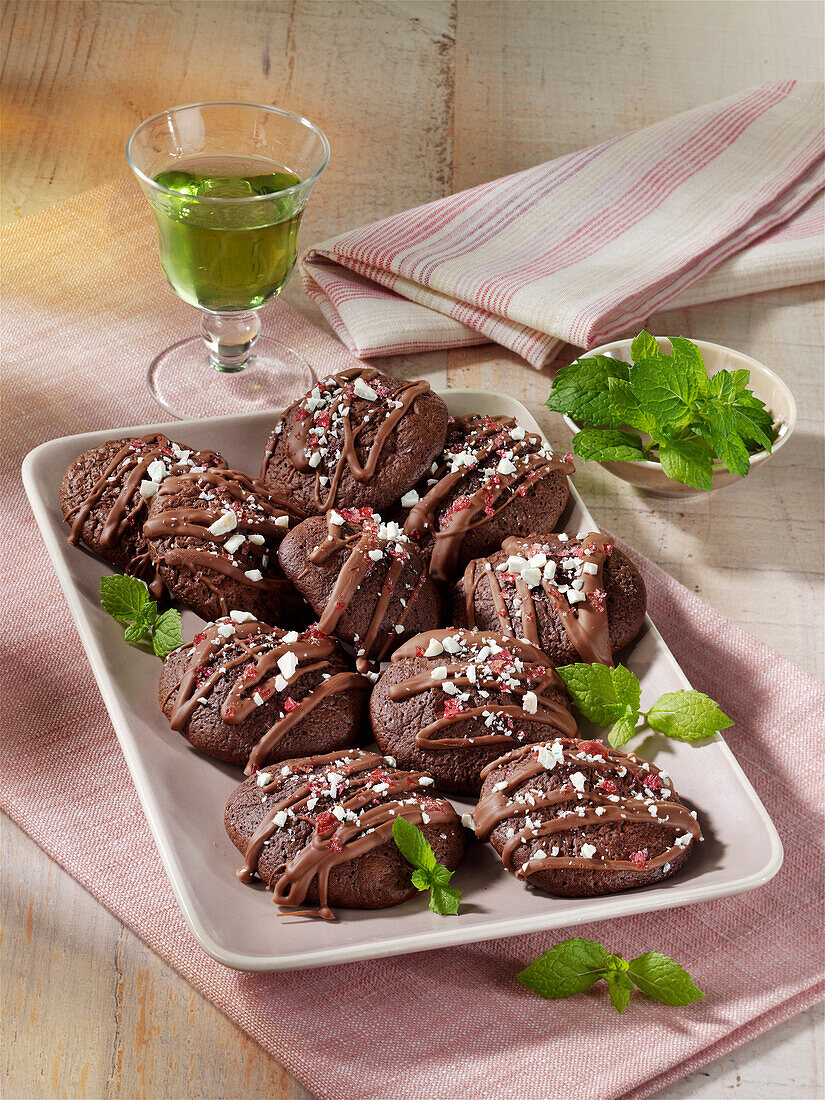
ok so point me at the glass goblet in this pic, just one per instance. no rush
(227, 184)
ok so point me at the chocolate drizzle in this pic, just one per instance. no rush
(266, 662)
(587, 797)
(129, 467)
(504, 459)
(498, 683)
(323, 439)
(242, 510)
(576, 593)
(372, 541)
(364, 794)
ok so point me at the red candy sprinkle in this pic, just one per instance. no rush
(315, 633)
(335, 843)
(419, 651)
(592, 748)
(289, 704)
(301, 413)
(249, 671)
(322, 419)
(653, 782)
(599, 599)
(568, 457)
(451, 708)
(326, 822)
(639, 858)
(608, 786)
(199, 637)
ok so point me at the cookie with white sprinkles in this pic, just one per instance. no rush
(579, 819)
(453, 700)
(357, 439)
(363, 579)
(252, 694)
(214, 539)
(493, 479)
(577, 599)
(106, 492)
(319, 830)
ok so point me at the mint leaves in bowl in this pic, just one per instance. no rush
(673, 417)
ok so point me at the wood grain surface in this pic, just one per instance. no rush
(418, 99)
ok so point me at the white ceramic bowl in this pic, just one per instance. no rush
(768, 387)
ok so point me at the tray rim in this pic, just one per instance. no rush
(598, 908)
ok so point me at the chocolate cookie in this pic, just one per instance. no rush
(320, 830)
(357, 439)
(577, 599)
(493, 479)
(452, 700)
(252, 694)
(106, 491)
(214, 537)
(364, 580)
(579, 819)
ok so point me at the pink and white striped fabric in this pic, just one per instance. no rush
(723, 200)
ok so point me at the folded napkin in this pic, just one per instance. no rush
(714, 203)
(451, 1023)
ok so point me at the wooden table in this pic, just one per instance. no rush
(418, 100)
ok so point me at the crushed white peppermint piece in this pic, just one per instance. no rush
(409, 499)
(148, 489)
(587, 851)
(530, 702)
(241, 616)
(434, 648)
(233, 543)
(253, 574)
(226, 522)
(287, 663)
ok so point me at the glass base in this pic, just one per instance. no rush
(184, 383)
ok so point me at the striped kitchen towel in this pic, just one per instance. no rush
(723, 200)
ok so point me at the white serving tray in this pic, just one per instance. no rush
(183, 793)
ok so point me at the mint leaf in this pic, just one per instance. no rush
(580, 390)
(136, 630)
(566, 969)
(717, 427)
(665, 389)
(663, 979)
(618, 983)
(421, 880)
(429, 874)
(602, 694)
(644, 347)
(167, 635)
(608, 445)
(413, 845)
(689, 360)
(752, 421)
(623, 730)
(625, 410)
(124, 597)
(688, 461)
(687, 716)
(445, 900)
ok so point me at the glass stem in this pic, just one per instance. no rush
(230, 337)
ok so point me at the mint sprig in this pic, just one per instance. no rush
(689, 419)
(127, 599)
(574, 965)
(612, 697)
(429, 874)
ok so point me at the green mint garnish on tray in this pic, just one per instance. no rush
(574, 965)
(127, 600)
(429, 874)
(689, 420)
(612, 697)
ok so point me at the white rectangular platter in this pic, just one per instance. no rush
(183, 793)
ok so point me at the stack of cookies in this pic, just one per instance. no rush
(392, 576)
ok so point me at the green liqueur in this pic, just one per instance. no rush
(227, 255)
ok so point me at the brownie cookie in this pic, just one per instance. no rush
(363, 579)
(452, 700)
(214, 537)
(357, 439)
(320, 830)
(252, 694)
(576, 599)
(579, 819)
(493, 479)
(105, 496)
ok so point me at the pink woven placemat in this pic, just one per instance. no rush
(83, 310)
